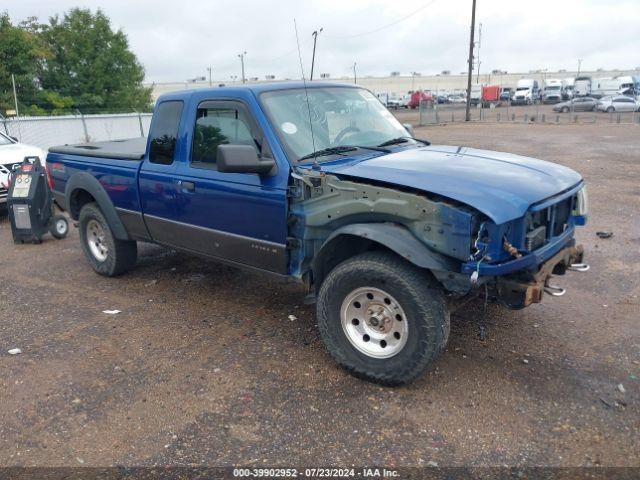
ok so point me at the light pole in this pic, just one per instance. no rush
(210, 69)
(355, 78)
(470, 72)
(579, 65)
(313, 57)
(241, 57)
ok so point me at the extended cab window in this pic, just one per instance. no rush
(219, 123)
(165, 132)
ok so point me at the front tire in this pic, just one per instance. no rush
(381, 318)
(107, 255)
(610, 109)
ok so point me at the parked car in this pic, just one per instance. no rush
(385, 232)
(397, 102)
(578, 104)
(620, 103)
(505, 95)
(457, 99)
(12, 154)
(442, 99)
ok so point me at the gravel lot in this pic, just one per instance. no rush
(203, 365)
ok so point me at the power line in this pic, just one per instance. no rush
(375, 30)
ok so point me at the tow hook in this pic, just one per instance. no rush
(578, 267)
(557, 291)
(554, 290)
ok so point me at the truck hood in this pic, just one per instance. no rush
(500, 185)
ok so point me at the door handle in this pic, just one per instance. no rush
(188, 186)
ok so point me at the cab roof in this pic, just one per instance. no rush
(255, 88)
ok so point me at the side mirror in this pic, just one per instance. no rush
(409, 128)
(243, 159)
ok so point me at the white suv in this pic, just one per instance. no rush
(12, 153)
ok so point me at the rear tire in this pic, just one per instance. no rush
(411, 326)
(565, 109)
(610, 109)
(107, 255)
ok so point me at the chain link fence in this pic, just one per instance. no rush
(431, 114)
(45, 132)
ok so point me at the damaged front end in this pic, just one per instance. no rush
(332, 218)
(517, 259)
(432, 233)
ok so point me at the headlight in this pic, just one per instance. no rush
(582, 203)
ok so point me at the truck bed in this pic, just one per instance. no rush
(129, 149)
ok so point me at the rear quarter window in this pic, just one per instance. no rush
(164, 132)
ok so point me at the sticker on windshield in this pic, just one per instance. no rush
(289, 128)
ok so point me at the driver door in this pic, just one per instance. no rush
(237, 217)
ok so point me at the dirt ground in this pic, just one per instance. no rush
(203, 365)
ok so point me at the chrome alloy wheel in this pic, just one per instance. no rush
(374, 322)
(96, 239)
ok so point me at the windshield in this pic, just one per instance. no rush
(341, 116)
(4, 140)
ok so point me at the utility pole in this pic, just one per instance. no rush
(209, 69)
(579, 65)
(15, 100)
(313, 57)
(470, 73)
(479, 45)
(355, 78)
(241, 57)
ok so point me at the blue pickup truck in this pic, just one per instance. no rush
(321, 185)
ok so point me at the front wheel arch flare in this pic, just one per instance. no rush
(360, 237)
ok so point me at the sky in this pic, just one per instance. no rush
(179, 40)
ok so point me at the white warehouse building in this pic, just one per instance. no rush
(402, 84)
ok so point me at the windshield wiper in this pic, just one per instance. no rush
(328, 151)
(399, 140)
(340, 150)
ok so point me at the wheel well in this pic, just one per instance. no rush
(339, 249)
(78, 199)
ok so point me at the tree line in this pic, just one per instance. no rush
(76, 61)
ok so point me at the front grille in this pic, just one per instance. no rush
(547, 223)
(7, 168)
